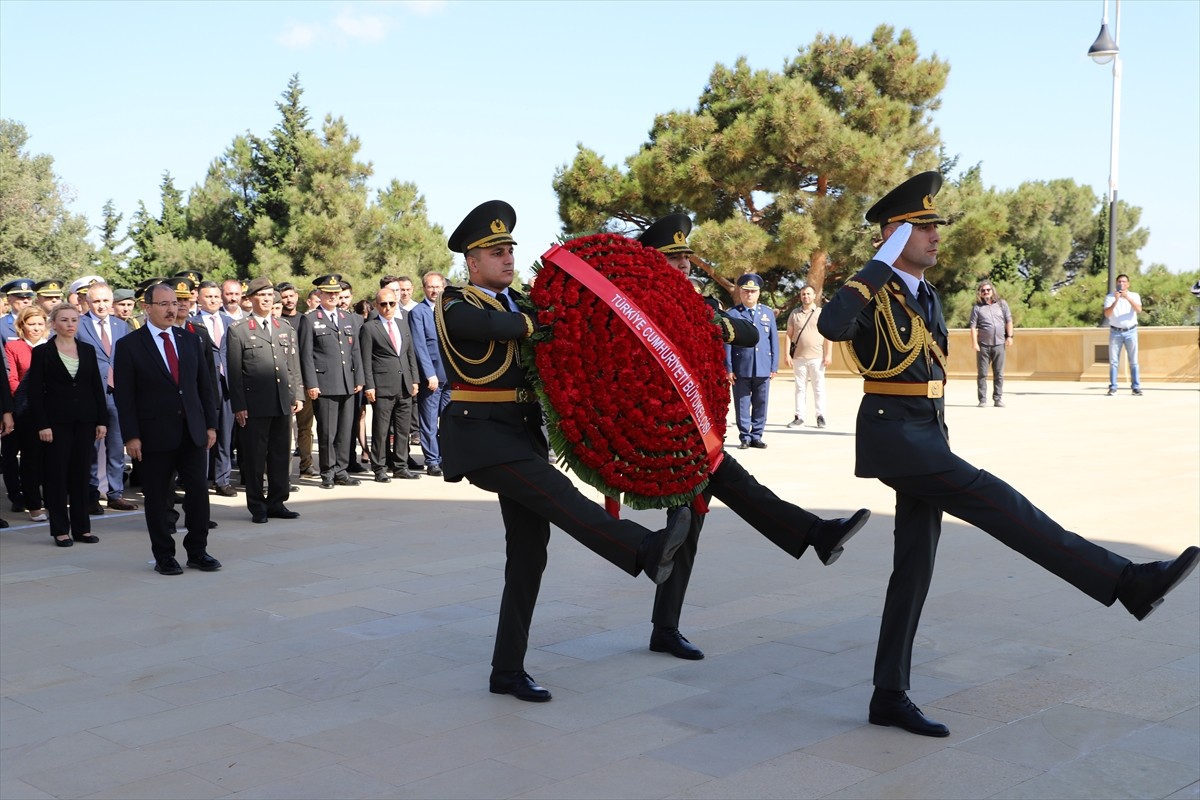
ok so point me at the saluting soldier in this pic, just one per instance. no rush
(491, 434)
(265, 390)
(893, 320)
(332, 368)
(788, 526)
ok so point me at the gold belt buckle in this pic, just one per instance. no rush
(935, 389)
(525, 395)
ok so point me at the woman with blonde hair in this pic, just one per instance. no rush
(69, 413)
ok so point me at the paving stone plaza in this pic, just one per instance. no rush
(346, 654)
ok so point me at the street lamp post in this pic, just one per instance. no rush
(1103, 50)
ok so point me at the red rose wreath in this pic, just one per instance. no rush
(615, 415)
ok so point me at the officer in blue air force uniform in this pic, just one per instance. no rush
(491, 434)
(892, 319)
(752, 368)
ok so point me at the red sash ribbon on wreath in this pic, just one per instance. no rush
(661, 348)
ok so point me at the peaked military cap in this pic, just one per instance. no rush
(192, 275)
(750, 278)
(49, 288)
(911, 201)
(146, 284)
(84, 283)
(183, 287)
(669, 234)
(488, 225)
(328, 283)
(20, 287)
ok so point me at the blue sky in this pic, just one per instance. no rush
(481, 100)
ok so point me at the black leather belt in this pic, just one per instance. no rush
(1122, 330)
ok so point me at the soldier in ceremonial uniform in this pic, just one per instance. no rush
(893, 320)
(49, 294)
(265, 390)
(788, 526)
(491, 434)
(332, 368)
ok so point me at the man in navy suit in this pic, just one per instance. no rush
(165, 402)
(214, 320)
(752, 368)
(432, 399)
(102, 330)
(390, 374)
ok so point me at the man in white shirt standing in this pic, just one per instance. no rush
(808, 354)
(1120, 310)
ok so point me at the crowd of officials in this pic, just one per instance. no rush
(88, 368)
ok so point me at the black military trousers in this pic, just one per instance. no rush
(533, 495)
(335, 428)
(983, 500)
(266, 450)
(390, 416)
(784, 524)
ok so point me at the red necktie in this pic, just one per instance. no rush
(105, 342)
(172, 358)
(217, 329)
(391, 329)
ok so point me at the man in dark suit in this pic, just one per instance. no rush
(331, 364)
(390, 374)
(265, 391)
(432, 399)
(492, 436)
(212, 317)
(165, 402)
(893, 320)
(99, 328)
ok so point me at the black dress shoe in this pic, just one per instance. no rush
(204, 563)
(168, 566)
(744, 446)
(657, 556)
(891, 708)
(829, 535)
(407, 475)
(67, 542)
(670, 640)
(1142, 586)
(326, 483)
(758, 444)
(259, 519)
(433, 472)
(283, 512)
(519, 685)
(212, 523)
(382, 477)
(86, 538)
(346, 480)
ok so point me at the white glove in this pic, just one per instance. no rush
(890, 250)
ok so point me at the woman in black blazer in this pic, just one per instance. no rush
(66, 404)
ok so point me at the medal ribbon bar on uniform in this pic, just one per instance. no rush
(680, 374)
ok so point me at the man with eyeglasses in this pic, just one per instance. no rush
(752, 368)
(168, 416)
(991, 327)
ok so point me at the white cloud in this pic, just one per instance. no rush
(423, 8)
(299, 35)
(360, 26)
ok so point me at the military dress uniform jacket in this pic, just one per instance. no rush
(263, 372)
(476, 435)
(329, 355)
(762, 358)
(895, 434)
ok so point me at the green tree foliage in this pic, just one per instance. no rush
(776, 167)
(295, 204)
(39, 237)
(163, 246)
(113, 254)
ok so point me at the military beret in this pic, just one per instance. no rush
(669, 234)
(911, 201)
(487, 225)
(122, 294)
(259, 284)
